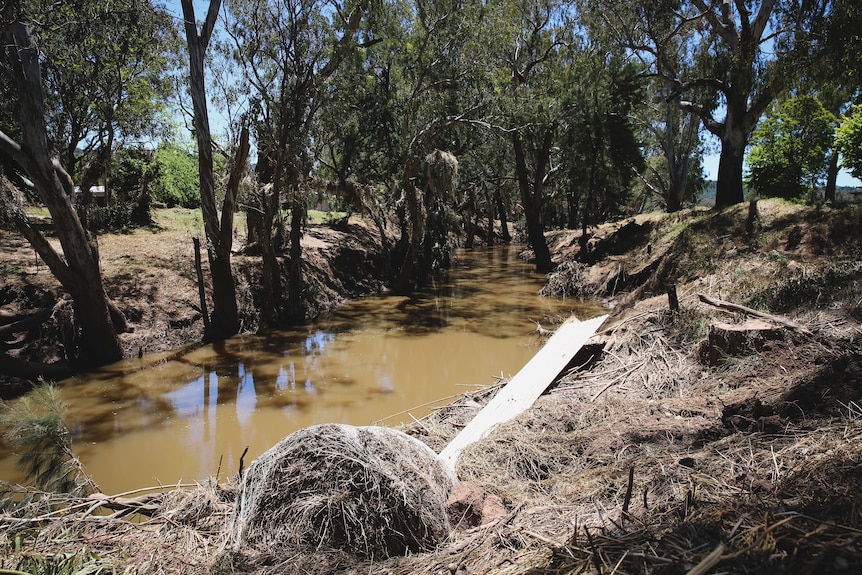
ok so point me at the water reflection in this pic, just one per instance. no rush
(185, 415)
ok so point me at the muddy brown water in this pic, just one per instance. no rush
(186, 416)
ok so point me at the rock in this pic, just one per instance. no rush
(492, 508)
(469, 505)
(372, 491)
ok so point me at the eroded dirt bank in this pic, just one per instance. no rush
(671, 451)
(149, 273)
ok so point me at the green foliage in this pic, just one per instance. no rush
(102, 74)
(849, 141)
(788, 157)
(34, 427)
(600, 149)
(178, 181)
(26, 562)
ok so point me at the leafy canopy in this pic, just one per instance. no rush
(849, 141)
(788, 157)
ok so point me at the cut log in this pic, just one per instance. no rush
(147, 505)
(734, 307)
(529, 383)
(727, 340)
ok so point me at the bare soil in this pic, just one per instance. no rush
(653, 456)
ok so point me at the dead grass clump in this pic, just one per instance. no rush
(568, 280)
(835, 282)
(42, 532)
(518, 464)
(372, 491)
(206, 509)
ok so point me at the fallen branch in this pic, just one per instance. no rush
(20, 323)
(617, 379)
(733, 307)
(145, 504)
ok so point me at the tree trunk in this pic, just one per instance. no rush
(468, 213)
(296, 304)
(728, 189)
(79, 273)
(406, 279)
(831, 178)
(224, 321)
(676, 189)
(225, 316)
(532, 199)
(489, 210)
(501, 211)
(271, 272)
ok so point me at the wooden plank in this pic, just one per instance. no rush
(529, 383)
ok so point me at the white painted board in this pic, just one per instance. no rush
(525, 388)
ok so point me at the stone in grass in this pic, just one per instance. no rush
(372, 491)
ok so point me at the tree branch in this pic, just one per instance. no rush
(733, 307)
(229, 205)
(209, 23)
(701, 112)
(727, 30)
(342, 45)
(762, 18)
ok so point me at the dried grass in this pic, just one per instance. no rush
(373, 491)
(50, 533)
(628, 467)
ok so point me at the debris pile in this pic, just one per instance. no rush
(372, 491)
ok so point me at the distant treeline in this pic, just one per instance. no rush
(707, 195)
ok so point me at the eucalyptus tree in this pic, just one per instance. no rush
(672, 137)
(674, 164)
(79, 80)
(745, 52)
(436, 73)
(529, 48)
(224, 321)
(356, 138)
(392, 103)
(77, 269)
(288, 50)
(832, 70)
(849, 140)
(102, 68)
(788, 155)
(600, 152)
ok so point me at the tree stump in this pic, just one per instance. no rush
(729, 340)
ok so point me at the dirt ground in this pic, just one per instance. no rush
(679, 442)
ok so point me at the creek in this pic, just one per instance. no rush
(188, 415)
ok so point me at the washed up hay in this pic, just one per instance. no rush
(373, 491)
(136, 532)
(568, 280)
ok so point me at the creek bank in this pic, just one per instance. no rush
(149, 274)
(648, 460)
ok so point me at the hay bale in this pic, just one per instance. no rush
(372, 491)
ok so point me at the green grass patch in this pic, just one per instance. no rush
(179, 219)
(11, 269)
